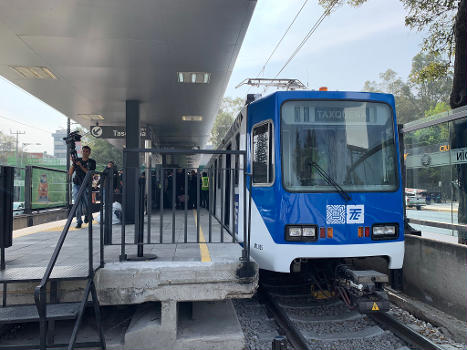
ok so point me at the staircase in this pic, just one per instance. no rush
(46, 314)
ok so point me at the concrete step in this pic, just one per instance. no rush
(28, 313)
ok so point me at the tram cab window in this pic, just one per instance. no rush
(351, 141)
(262, 154)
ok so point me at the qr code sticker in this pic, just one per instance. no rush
(335, 214)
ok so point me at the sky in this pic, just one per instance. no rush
(351, 46)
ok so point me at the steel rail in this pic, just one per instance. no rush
(404, 332)
(384, 320)
(294, 336)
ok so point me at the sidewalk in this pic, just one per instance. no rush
(442, 207)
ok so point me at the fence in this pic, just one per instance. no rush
(173, 191)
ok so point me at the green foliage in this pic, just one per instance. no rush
(439, 108)
(436, 16)
(7, 144)
(431, 78)
(224, 119)
(420, 93)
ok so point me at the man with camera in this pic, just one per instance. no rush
(81, 166)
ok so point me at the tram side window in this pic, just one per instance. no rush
(237, 157)
(263, 170)
(219, 172)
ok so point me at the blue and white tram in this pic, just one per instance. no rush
(326, 177)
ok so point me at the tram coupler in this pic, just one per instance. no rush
(364, 288)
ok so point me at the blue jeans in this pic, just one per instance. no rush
(83, 203)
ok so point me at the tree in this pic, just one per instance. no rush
(407, 106)
(224, 119)
(7, 144)
(420, 93)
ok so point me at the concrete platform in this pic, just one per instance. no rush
(182, 271)
(202, 274)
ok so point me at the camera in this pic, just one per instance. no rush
(71, 140)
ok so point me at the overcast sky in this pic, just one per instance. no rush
(350, 46)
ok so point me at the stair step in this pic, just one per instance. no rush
(34, 274)
(28, 313)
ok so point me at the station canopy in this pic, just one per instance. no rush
(85, 58)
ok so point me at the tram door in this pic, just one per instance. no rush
(228, 181)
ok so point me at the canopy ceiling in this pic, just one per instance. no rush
(104, 52)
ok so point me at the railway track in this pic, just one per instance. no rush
(311, 324)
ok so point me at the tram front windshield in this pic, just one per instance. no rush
(352, 141)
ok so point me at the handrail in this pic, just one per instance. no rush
(48, 169)
(39, 291)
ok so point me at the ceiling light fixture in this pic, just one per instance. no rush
(192, 118)
(34, 72)
(91, 116)
(194, 77)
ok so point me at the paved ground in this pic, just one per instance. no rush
(33, 246)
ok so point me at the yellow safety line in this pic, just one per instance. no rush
(203, 247)
(52, 229)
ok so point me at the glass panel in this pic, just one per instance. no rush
(18, 192)
(436, 162)
(351, 141)
(48, 188)
(262, 158)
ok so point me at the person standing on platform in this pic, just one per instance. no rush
(80, 167)
(205, 190)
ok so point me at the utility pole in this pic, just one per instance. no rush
(17, 133)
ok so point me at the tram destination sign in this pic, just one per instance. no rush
(114, 132)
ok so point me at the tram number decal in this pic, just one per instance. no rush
(341, 214)
(258, 246)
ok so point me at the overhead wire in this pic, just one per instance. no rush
(308, 35)
(280, 41)
(27, 125)
(283, 36)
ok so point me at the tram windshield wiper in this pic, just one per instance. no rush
(331, 181)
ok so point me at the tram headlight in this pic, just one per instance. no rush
(309, 231)
(385, 231)
(302, 233)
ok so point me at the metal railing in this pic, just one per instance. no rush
(40, 292)
(175, 189)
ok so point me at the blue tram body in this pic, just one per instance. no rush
(326, 177)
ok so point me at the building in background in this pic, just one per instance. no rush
(59, 144)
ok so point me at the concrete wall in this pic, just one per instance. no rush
(27, 220)
(436, 272)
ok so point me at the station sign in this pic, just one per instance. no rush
(115, 132)
(446, 156)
